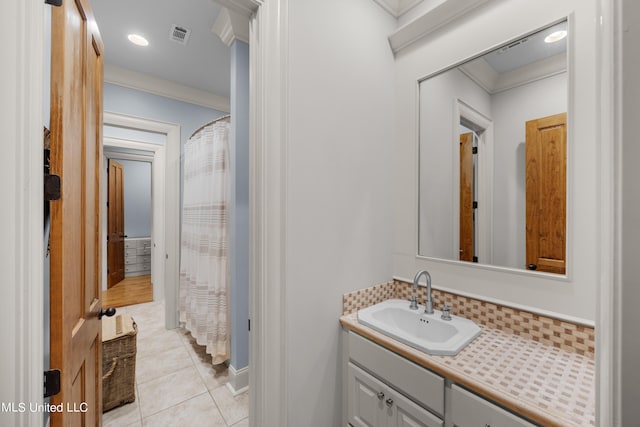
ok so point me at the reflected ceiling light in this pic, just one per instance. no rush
(138, 40)
(555, 36)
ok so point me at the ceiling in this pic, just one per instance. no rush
(203, 64)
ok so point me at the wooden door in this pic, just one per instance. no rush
(466, 197)
(76, 156)
(115, 214)
(546, 170)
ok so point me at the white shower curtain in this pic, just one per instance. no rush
(204, 258)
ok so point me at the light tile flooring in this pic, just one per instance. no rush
(176, 384)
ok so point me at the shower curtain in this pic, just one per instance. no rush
(204, 257)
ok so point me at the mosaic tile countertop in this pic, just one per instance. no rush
(546, 384)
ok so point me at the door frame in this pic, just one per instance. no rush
(157, 160)
(22, 218)
(166, 204)
(484, 219)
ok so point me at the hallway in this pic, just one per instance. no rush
(176, 384)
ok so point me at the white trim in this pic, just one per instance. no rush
(231, 26)
(267, 205)
(21, 219)
(397, 8)
(158, 170)
(238, 381)
(157, 86)
(493, 82)
(244, 7)
(439, 16)
(484, 220)
(166, 209)
(609, 305)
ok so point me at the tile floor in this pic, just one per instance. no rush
(176, 384)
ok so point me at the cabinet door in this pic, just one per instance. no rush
(408, 414)
(366, 398)
(469, 410)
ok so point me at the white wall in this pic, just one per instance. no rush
(338, 188)
(488, 26)
(438, 218)
(510, 110)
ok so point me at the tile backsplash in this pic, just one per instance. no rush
(557, 333)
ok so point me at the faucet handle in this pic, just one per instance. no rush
(446, 312)
(414, 303)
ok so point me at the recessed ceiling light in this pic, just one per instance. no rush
(138, 40)
(555, 36)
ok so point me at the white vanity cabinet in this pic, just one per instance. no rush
(373, 403)
(385, 389)
(470, 410)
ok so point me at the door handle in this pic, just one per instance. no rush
(108, 312)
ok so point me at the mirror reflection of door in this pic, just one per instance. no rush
(546, 194)
(466, 197)
(115, 214)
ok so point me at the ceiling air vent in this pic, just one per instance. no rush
(514, 44)
(179, 34)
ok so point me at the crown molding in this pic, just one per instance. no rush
(493, 82)
(231, 26)
(243, 7)
(168, 89)
(441, 15)
(397, 8)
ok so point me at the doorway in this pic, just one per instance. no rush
(165, 187)
(129, 234)
(473, 177)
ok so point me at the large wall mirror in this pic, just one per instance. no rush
(493, 157)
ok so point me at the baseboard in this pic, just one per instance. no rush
(238, 380)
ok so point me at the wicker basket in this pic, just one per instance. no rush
(118, 361)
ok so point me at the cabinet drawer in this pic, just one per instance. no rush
(131, 260)
(130, 252)
(144, 250)
(130, 244)
(469, 410)
(130, 268)
(146, 267)
(409, 378)
(145, 259)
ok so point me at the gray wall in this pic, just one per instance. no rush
(239, 157)
(190, 117)
(630, 274)
(137, 198)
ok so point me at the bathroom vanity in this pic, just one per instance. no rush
(500, 379)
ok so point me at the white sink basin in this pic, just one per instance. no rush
(425, 332)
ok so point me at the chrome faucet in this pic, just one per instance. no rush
(428, 309)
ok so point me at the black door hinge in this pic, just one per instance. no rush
(51, 187)
(51, 382)
(54, 2)
(475, 205)
(475, 259)
(248, 324)
(474, 150)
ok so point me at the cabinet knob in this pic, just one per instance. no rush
(389, 402)
(380, 395)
